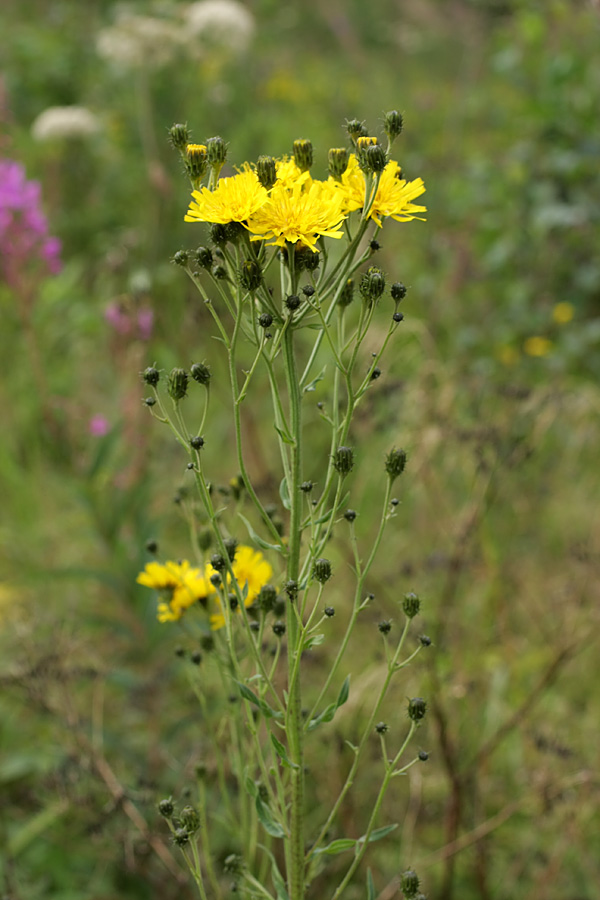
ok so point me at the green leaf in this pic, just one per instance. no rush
(326, 716)
(344, 692)
(313, 641)
(285, 494)
(311, 386)
(264, 545)
(282, 753)
(267, 820)
(264, 707)
(251, 786)
(36, 826)
(339, 846)
(285, 437)
(278, 881)
(370, 886)
(378, 834)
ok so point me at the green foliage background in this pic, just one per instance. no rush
(496, 530)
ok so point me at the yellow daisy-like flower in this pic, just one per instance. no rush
(234, 199)
(393, 198)
(537, 346)
(252, 571)
(563, 312)
(288, 173)
(301, 213)
(183, 584)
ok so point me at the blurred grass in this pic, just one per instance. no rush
(496, 527)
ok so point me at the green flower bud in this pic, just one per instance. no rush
(195, 162)
(177, 384)
(219, 272)
(190, 819)
(291, 588)
(197, 442)
(150, 401)
(372, 285)
(306, 487)
(350, 515)
(250, 275)
(196, 657)
(343, 460)
(234, 231)
(166, 808)
(200, 373)
(417, 707)
(311, 260)
(411, 605)
(395, 463)
(231, 547)
(204, 257)
(347, 294)
(292, 302)
(279, 629)
(267, 597)
(393, 123)
(218, 235)
(338, 162)
(181, 258)
(303, 155)
(385, 627)
(322, 570)
(375, 158)
(217, 562)
(356, 129)
(425, 640)
(151, 376)
(179, 137)
(423, 755)
(409, 882)
(398, 291)
(329, 611)
(181, 837)
(233, 864)
(265, 320)
(381, 727)
(152, 546)
(216, 152)
(266, 171)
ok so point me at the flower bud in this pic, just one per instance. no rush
(181, 258)
(200, 373)
(149, 401)
(216, 152)
(372, 285)
(322, 570)
(356, 129)
(292, 302)
(343, 460)
(423, 755)
(375, 158)
(219, 272)
(395, 463)
(266, 171)
(196, 657)
(197, 442)
(398, 291)
(381, 728)
(152, 546)
(234, 231)
(231, 547)
(311, 260)
(196, 159)
(338, 162)
(411, 605)
(181, 837)
(190, 819)
(417, 707)
(350, 515)
(398, 317)
(308, 290)
(217, 562)
(267, 597)
(425, 640)
(151, 376)
(265, 320)
(329, 611)
(204, 257)
(393, 124)
(218, 235)
(385, 627)
(306, 487)
(177, 384)
(233, 864)
(166, 808)
(303, 155)
(279, 629)
(291, 588)
(179, 137)
(250, 275)
(409, 882)
(347, 294)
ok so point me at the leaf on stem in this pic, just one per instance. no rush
(267, 820)
(264, 545)
(330, 711)
(285, 494)
(312, 385)
(370, 886)
(264, 707)
(282, 753)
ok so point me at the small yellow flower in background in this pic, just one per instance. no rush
(507, 355)
(299, 215)
(252, 571)
(185, 584)
(537, 346)
(563, 313)
(234, 199)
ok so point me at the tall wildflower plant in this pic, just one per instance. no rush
(286, 256)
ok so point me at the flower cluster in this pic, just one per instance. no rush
(294, 208)
(182, 585)
(24, 234)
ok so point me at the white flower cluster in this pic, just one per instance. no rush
(135, 41)
(58, 122)
(224, 23)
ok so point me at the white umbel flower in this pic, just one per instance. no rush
(223, 23)
(58, 122)
(136, 41)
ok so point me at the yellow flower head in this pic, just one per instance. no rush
(288, 173)
(234, 199)
(182, 584)
(563, 312)
(299, 214)
(394, 195)
(537, 346)
(251, 571)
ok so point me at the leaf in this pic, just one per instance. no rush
(282, 754)
(264, 545)
(313, 641)
(251, 786)
(339, 846)
(344, 692)
(311, 386)
(267, 820)
(285, 437)
(278, 881)
(285, 494)
(370, 886)
(264, 707)
(330, 711)
(378, 834)
(36, 826)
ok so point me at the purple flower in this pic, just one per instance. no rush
(98, 426)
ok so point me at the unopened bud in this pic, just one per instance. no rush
(250, 275)
(266, 171)
(181, 258)
(267, 597)
(265, 320)
(398, 291)
(179, 137)
(411, 605)
(372, 285)
(375, 158)
(166, 808)
(200, 373)
(338, 162)
(347, 294)
(343, 460)
(190, 819)
(322, 570)
(409, 882)
(417, 707)
(177, 384)
(195, 162)
(216, 152)
(204, 257)
(395, 463)
(151, 376)
(303, 155)
(393, 124)
(356, 129)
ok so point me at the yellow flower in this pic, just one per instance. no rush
(537, 346)
(507, 355)
(251, 571)
(182, 584)
(289, 174)
(234, 199)
(394, 195)
(563, 313)
(300, 215)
